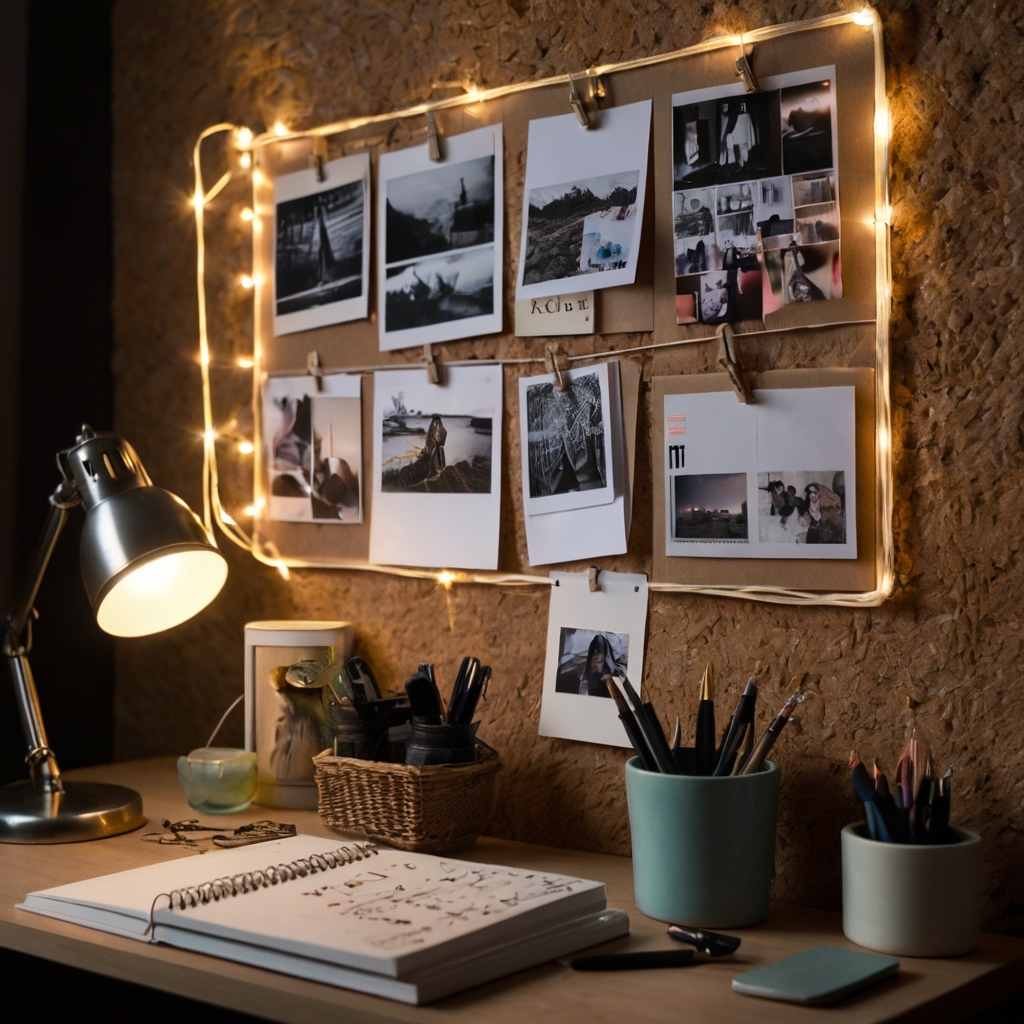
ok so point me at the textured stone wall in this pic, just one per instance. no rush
(943, 653)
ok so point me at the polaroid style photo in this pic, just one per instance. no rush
(322, 246)
(591, 638)
(440, 241)
(567, 441)
(583, 202)
(312, 448)
(437, 468)
(696, 242)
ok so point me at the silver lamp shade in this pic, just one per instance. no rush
(147, 562)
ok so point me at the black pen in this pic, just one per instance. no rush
(651, 728)
(742, 716)
(462, 714)
(633, 731)
(460, 684)
(704, 741)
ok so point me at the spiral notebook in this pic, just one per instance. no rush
(406, 926)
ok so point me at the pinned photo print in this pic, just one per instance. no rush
(592, 637)
(437, 468)
(753, 175)
(587, 660)
(583, 202)
(312, 443)
(567, 441)
(711, 506)
(440, 227)
(805, 507)
(321, 246)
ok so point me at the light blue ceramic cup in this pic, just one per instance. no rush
(703, 847)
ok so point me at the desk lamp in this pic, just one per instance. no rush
(148, 564)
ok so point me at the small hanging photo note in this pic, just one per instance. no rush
(313, 449)
(440, 241)
(322, 245)
(592, 636)
(583, 202)
(555, 315)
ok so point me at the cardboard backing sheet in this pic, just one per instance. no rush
(825, 574)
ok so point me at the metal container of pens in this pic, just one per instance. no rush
(702, 819)
(429, 787)
(911, 881)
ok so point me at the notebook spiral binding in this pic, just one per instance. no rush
(249, 881)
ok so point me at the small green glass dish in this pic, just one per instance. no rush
(218, 780)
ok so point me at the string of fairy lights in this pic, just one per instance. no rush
(246, 143)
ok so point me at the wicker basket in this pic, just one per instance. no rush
(432, 809)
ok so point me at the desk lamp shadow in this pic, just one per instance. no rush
(148, 564)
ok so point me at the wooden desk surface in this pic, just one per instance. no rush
(925, 990)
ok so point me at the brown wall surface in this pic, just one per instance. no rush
(943, 654)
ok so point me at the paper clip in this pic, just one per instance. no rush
(433, 138)
(318, 156)
(727, 359)
(433, 367)
(556, 361)
(595, 586)
(314, 368)
(745, 70)
(577, 104)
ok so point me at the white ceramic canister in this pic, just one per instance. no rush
(282, 722)
(911, 899)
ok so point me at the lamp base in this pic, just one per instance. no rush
(85, 810)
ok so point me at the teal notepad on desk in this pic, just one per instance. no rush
(816, 976)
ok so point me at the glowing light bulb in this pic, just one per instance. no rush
(865, 16)
(245, 160)
(243, 138)
(257, 177)
(249, 510)
(204, 358)
(246, 281)
(280, 128)
(210, 436)
(883, 125)
(246, 213)
(246, 447)
(244, 363)
(446, 578)
(196, 202)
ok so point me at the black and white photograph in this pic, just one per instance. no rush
(566, 441)
(802, 507)
(425, 452)
(807, 127)
(803, 273)
(749, 142)
(773, 210)
(321, 246)
(736, 217)
(437, 468)
(587, 660)
(813, 188)
(583, 202)
(596, 214)
(312, 444)
(710, 506)
(441, 289)
(451, 206)
(592, 637)
(729, 295)
(694, 229)
(440, 241)
(817, 223)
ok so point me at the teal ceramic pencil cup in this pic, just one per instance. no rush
(703, 847)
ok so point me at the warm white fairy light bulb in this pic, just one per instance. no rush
(246, 281)
(247, 213)
(280, 128)
(246, 447)
(243, 138)
(865, 17)
(245, 160)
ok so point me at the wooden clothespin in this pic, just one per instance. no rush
(597, 89)
(577, 104)
(433, 138)
(314, 368)
(433, 367)
(727, 359)
(745, 70)
(595, 586)
(318, 156)
(556, 361)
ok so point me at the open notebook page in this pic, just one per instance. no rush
(389, 913)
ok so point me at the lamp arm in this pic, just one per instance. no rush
(18, 640)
